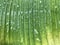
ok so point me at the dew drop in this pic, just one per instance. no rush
(12, 12)
(4, 12)
(49, 11)
(35, 10)
(7, 23)
(11, 27)
(59, 22)
(55, 6)
(4, 2)
(21, 40)
(12, 22)
(0, 4)
(40, 1)
(17, 5)
(35, 31)
(52, 3)
(45, 10)
(30, 11)
(37, 39)
(41, 11)
(7, 13)
(41, 5)
(3, 7)
(21, 12)
(18, 12)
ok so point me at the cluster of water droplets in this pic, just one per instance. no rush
(20, 15)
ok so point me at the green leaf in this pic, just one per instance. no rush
(29, 22)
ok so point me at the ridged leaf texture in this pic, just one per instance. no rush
(29, 22)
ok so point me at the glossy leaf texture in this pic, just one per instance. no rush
(29, 22)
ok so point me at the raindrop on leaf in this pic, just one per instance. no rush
(41, 11)
(7, 13)
(35, 31)
(4, 2)
(37, 39)
(56, 7)
(59, 22)
(17, 5)
(0, 4)
(40, 1)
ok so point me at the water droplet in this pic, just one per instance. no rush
(35, 31)
(55, 6)
(7, 13)
(11, 27)
(52, 3)
(35, 10)
(49, 11)
(3, 7)
(22, 40)
(41, 11)
(18, 12)
(4, 2)
(37, 39)
(12, 12)
(4, 12)
(0, 4)
(7, 23)
(41, 5)
(21, 12)
(12, 22)
(59, 22)
(40, 1)
(30, 11)
(45, 10)
(17, 5)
